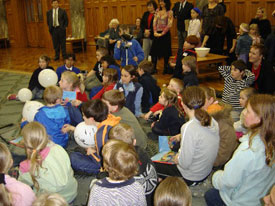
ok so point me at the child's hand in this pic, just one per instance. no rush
(175, 138)
(23, 119)
(135, 58)
(172, 64)
(157, 112)
(147, 115)
(147, 33)
(153, 124)
(118, 44)
(176, 158)
(90, 150)
(67, 127)
(76, 102)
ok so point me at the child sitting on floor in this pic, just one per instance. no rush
(68, 66)
(48, 167)
(132, 90)
(189, 66)
(147, 175)
(94, 77)
(109, 81)
(149, 84)
(95, 112)
(236, 77)
(172, 117)
(53, 116)
(120, 160)
(12, 192)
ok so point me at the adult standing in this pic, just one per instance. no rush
(147, 27)
(57, 22)
(161, 46)
(209, 13)
(262, 69)
(262, 22)
(182, 11)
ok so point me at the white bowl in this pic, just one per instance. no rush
(202, 51)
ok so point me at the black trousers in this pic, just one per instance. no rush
(59, 40)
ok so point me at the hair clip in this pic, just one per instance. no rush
(196, 107)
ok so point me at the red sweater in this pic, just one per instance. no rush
(104, 89)
(159, 106)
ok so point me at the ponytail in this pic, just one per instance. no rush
(5, 196)
(36, 160)
(203, 117)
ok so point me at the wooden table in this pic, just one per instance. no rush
(70, 46)
(211, 59)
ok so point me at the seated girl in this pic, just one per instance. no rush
(172, 117)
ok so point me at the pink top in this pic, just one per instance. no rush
(163, 21)
(22, 194)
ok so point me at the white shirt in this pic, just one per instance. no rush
(57, 23)
(194, 27)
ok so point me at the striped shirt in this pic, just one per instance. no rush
(232, 87)
(124, 193)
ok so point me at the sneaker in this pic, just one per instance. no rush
(12, 97)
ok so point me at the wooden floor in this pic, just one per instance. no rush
(26, 60)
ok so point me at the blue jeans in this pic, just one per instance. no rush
(212, 198)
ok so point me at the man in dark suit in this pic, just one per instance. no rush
(182, 12)
(57, 22)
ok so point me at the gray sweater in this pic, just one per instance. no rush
(198, 150)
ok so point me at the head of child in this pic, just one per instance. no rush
(43, 61)
(193, 100)
(5, 164)
(52, 95)
(269, 199)
(128, 74)
(106, 61)
(253, 29)
(210, 96)
(189, 64)
(114, 99)
(124, 29)
(173, 191)
(120, 160)
(259, 117)
(70, 81)
(69, 60)
(168, 97)
(176, 85)
(238, 68)
(47, 199)
(145, 67)
(245, 94)
(101, 52)
(35, 140)
(244, 28)
(123, 132)
(191, 42)
(94, 111)
(195, 13)
(109, 76)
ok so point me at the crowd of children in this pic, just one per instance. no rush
(234, 136)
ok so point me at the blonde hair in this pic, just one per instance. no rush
(113, 21)
(173, 191)
(52, 94)
(179, 83)
(47, 199)
(264, 106)
(262, 9)
(249, 91)
(244, 27)
(5, 165)
(254, 26)
(191, 62)
(120, 160)
(74, 79)
(194, 98)
(35, 140)
(122, 132)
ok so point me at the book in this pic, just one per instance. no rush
(70, 95)
(18, 142)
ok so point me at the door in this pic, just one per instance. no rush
(34, 23)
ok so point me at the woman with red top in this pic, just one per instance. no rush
(262, 69)
(161, 46)
(110, 78)
(147, 28)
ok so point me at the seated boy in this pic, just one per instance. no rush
(53, 116)
(150, 88)
(147, 175)
(127, 49)
(95, 112)
(115, 101)
(188, 50)
(236, 77)
(68, 66)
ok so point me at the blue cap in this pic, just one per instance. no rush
(197, 10)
